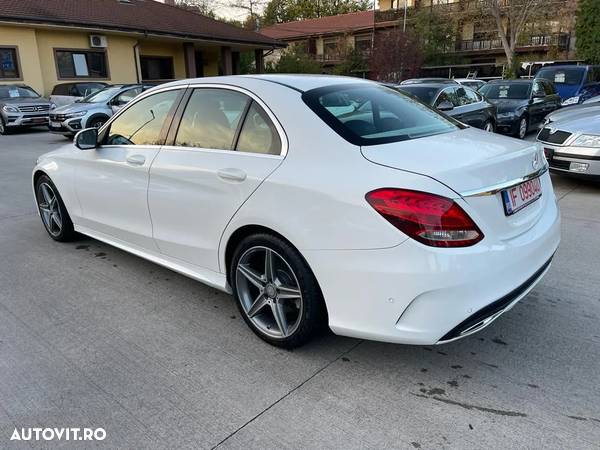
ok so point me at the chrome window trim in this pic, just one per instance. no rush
(280, 131)
(137, 99)
(494, 189)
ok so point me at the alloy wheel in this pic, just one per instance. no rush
(269, 292)
(489, 127)
(522, 128)
(49, 209)
(2, 128)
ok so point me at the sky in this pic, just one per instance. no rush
(222, 9)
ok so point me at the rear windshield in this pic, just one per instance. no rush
(369, 114)
(516, 91)
(570, 76)
(426, 94)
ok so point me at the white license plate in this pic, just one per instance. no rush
(55, 124)
(518, 197)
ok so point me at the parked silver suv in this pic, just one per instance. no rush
(21, 106)
(93, 110)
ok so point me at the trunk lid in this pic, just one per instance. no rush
(471, 162)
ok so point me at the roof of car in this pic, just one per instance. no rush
(427, 85)
(520, 81)
(298, 82)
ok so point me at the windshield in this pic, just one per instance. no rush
(515, 91)
(101, 96)
(17, 92)
(426, 94)
(571, 76)
(365, 114)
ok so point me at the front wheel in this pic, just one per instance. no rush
(3, 127)
(53, 212)
(489, 126)
(276, 292)
(523, 126)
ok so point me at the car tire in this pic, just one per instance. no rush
(489, 127)
(282, 305)
(3, 128)
(523, 127)
(53, 213)
(97, 121)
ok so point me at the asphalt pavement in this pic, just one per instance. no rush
(92, 336)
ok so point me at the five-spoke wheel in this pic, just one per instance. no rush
(276, 291)
(52, 210)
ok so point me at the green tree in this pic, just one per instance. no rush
(280, 11)
(435, 33)
(587, 29)
(295, 60)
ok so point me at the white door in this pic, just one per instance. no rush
(225, 146)
(112, 180)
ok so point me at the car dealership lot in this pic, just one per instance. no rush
(92, 336)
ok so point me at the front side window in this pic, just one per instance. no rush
(211, 119)
(142, 123)
(81, 64)
(258, 134)
(473, 96)
(391, 117)
(127, 96)
(9, 66)
(538, 90)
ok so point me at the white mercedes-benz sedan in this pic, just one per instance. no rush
(315, 201)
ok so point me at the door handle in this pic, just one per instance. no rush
(230, 174)
(136, 160)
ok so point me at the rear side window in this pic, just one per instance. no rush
(369, 114)
(61, 89)
(258, 133)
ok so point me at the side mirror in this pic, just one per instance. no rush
(87, 139)
(445, 106)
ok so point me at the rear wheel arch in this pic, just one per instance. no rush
(240, 234)
(94, 118)
(248, 230)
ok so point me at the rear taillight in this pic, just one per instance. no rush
(428, 218)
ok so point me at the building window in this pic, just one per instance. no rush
(330, 49)
(9, 65)
(362, 44)
(81, 64)
(157, 68)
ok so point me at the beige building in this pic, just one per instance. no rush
(43, 43)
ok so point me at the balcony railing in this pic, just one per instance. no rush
(561, 40)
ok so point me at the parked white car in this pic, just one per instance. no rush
(66, 93)
(390, 221)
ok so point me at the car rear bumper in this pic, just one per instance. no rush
(414, 294)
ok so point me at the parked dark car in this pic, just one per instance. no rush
(427, 80)
(575, 84)
(67, 93)
(22, 106)
(460, 102)
(522, 104)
